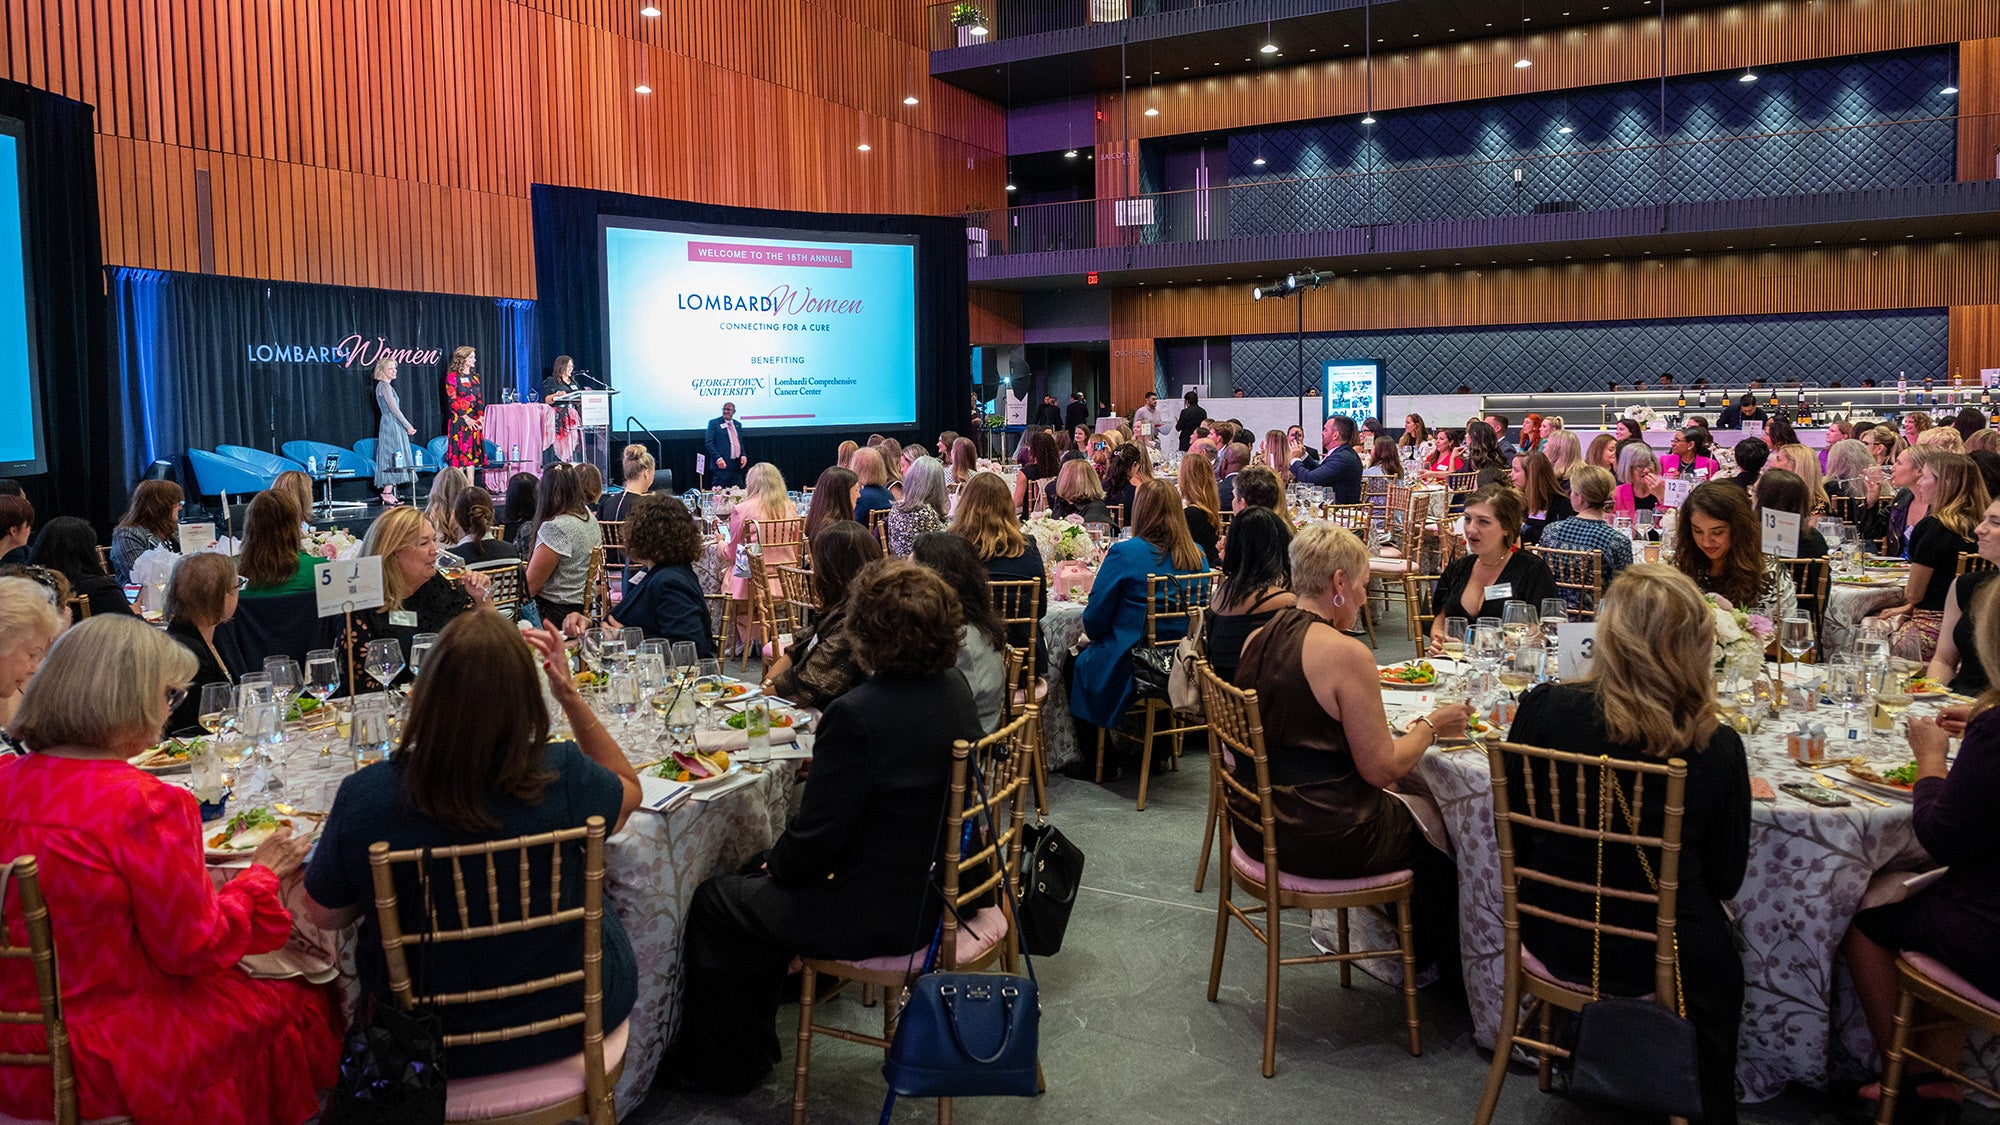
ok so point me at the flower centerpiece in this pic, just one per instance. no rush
(332, 543)
(1642, 414)
(1740, 637)
(1059, 539)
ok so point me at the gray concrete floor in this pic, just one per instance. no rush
(1128, 1034)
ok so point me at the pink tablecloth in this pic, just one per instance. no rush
(529, 425)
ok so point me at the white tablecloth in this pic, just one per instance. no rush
(1062, 624)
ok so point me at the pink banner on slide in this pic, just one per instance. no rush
(742, 254)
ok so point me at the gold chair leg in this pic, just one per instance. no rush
(1222, 881)
(1346, 967)
(808, 982)
(1406, 935)
(944, 1111)
(1271, 953)
(1146, 756)
(1100, 755)
(1039, 758)
(1545, 1065)
(1207, 831)
(1899, 1043)
(1503, 1049)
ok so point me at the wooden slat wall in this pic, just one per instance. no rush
(1975, 339)
(1758, 34)
(995, 317)
(392, 142)
(1906, 275)
(1979, 109)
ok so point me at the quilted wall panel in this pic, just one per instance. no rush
(1816, 348)
(1872, 121)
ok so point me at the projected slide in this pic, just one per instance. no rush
(801, 330)
(20, 420)
(1352, 387)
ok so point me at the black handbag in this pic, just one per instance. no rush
(1051, 871)
(391, 1059)
(965, 1035)
(1608, 1063)
(1152, 671)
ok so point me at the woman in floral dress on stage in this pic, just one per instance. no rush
(465, 405)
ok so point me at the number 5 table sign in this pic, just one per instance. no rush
(343, 586)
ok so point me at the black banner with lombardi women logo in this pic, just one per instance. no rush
(207, 361)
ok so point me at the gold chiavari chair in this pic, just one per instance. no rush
(1458, 488)
(1117, 514)
(1925, 984)
(79, 609)
(614, 547)
(1579, 813)
(509, 584)
(40, 953)
(596, 593)
(1018, 604)
(1354, 517)
(1172, 601)
(1969, 561)
(1236, 727)
(1420, 606)
(104, 558)
(774, 543)
(1811, 583)
(878, 526)
(1020, 685)
(586, 1089)
(1451, 544)
(1579, 576)
(799, 595)
(722, 612)
(991, 774)
(1405, 536)
(1839, 506)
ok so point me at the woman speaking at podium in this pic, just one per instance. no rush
(562, 383)
(465, 409)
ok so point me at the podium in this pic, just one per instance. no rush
(593, 427)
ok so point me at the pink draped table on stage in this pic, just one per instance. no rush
(530, 425)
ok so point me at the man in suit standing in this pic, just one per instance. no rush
(1078, 413)
(1191, 417)
(724, 446)
(1048, 413)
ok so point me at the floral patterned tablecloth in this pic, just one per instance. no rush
(1062, 624)
(652, 868)
(1847, 605)
(1808, 869)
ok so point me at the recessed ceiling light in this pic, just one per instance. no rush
(1565, 130)
(1070, 155)
(1269, 48)
(650, 12)
(1748, 76)
(1152, 111)
(864, 147)
(1368, 120)
(911, 100)
(642, 88)
(1949, 90)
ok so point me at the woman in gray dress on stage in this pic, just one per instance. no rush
(394, 464)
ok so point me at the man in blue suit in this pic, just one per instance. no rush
(724, 446)
(1340, 469)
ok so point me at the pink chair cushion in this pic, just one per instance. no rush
(1534, 968)
(1253, 867)
(1381, 565)
(1936, 970)
(518, 1091)
(975, 939)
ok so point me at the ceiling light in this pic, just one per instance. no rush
(642, 88)
(1368, 120)
(1269, 48)
(1949, 90)
(864, 147)
(1070, 155)
(1748, 76)
(1152, 111)
(1522, 64)
(1565, 130)
(650, 11)
(911, 100)
(1259, 162)
(1011, 187)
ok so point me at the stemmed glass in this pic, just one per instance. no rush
(368, 731)
(1642, 521)
(218, 707)
(286, 684)
(1554, 613)
(1521, 668)
(635, 639)
(1891, 692)
(684, 659)
(1795, 637)
(621, 692)
(1485, 645)
(420, 647)
(1517, 623)
(322, 673)
(1455, 630)
(384, 660)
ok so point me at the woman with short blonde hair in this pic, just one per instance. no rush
(1077, 491)
(1943, 437)
(29, 621)
(395, 461)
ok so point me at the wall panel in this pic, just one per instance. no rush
(392, 142)
(1979, 109)
(1975, 339)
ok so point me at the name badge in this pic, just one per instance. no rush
(1499, 591)
(403, 618)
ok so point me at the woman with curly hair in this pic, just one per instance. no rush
(1482, 454)
(667, 603)
(1717, 543)
(1039, 461)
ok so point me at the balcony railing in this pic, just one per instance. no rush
(1006, 20)
(1876, 156)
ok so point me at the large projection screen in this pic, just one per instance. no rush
(21, 451)
(803, 330)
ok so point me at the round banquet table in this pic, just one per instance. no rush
(1847, 605)
(1808, 868)
(1062, 624)
(652, 868)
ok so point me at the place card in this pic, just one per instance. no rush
(1781, 533)
(1677, 492)
(348, 584)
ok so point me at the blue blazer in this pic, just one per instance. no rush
(1115, 621)
(716, 444)
(873, 498)
(1339, 470)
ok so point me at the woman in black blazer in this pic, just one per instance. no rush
(69, 546)
(201, 598)
(851, 878)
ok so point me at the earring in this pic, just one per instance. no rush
(1339, 601)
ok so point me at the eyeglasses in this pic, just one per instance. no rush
(174, 697)
(242, 583)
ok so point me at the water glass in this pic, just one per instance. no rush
(757, 730)
(1554, 612)
(420, 647)
(684, 659)
(1518, 623)
(635, 639)
(611, 651)
(384, 660)
(254, 685)
(1485, 645)
(621, 692)
(368, 731)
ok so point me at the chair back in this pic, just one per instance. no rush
(1016, 670)
(510, 585)
(467, 923)
(217, 473)
(1036, 498)
(40, 952)
(1968, 561)
(1812, 580)
(1579, 575)
(1236, 732)
(1018, 602)
(614, 547)
(104, 560)
(264, 461)
(994, 774)
(1117, 514)
(1420, 603)
(1840, 506)
(596, 594)
(878, 526)
(1406, 520)
(1562, 794)
(1458, 488)
(79, 609)
(1354, 517)
(796, 582)
(1174, 599)
(365, 449)
(1451, 544)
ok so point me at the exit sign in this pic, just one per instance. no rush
(1090, 278)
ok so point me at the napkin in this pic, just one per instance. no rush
(734, 740)
(657, 794)
(722, 788)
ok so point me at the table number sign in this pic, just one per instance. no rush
(343, 585)
(1576, 646)
(1677, 492)
(1781, 533)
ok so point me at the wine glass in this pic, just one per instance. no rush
(1642, 520)
(611, 651)
(420, 647)
(1554, 613)
(257, 684)
(231, 748)
(1795, 637)
(1455, 630)
(286, 684)
(450, 565)
(1522, 666)
(635, 639)
(1485, 644)
(1892, 693)
(684, 659)
(708, 683)
(593, 647)
(384, 660)
(1517, 623)
(218, 707)
(621, 692)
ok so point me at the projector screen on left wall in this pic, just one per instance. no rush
(21, 451)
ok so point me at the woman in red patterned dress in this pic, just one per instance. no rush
(163, 1027)
(465, 409)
